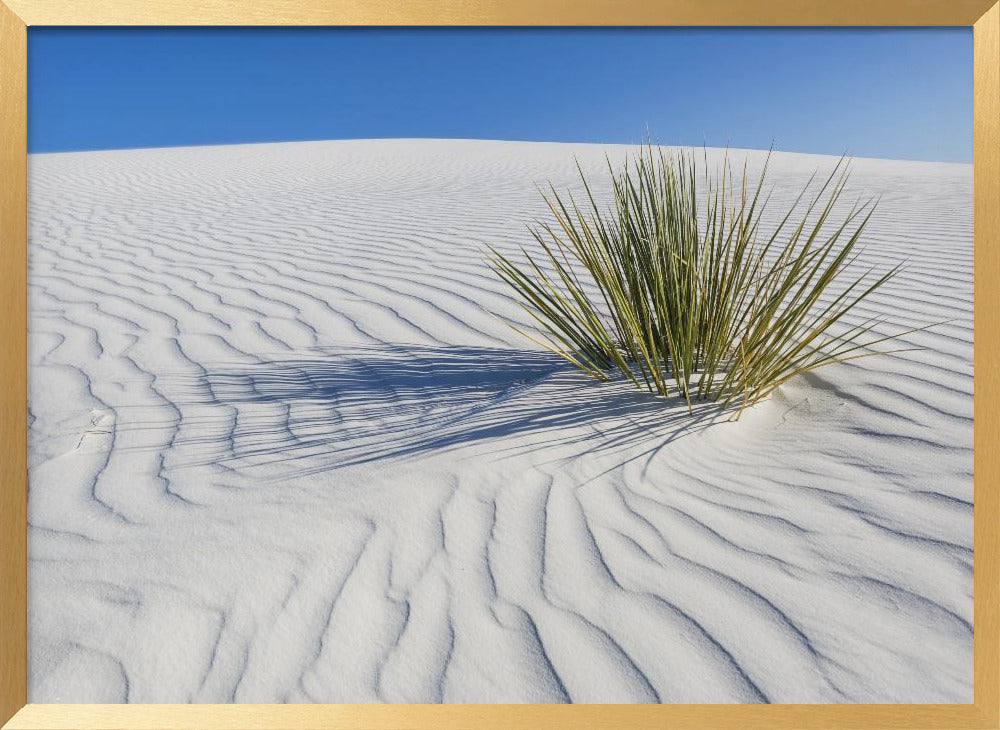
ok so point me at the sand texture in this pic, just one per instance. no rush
(284, 448)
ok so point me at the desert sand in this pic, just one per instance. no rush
(284, 447)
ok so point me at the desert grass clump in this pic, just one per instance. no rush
(685, 293)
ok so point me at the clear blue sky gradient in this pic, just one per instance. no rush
(896, 93)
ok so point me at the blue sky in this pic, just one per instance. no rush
(897, 93)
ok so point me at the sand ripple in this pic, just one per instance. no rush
(282, 449)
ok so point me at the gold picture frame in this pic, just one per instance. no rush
(16, 15)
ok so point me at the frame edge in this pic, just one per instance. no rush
(501, 12)
(13, 376)
(986, 358)
(13, 364)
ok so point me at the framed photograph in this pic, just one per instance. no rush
(503, 365)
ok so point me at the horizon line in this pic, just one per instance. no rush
(846, 154)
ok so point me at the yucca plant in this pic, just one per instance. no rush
(686, 293)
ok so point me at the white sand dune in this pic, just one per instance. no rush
(282, 449)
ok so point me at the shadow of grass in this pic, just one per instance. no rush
(341, 408)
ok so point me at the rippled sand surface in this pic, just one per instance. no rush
(284, 448)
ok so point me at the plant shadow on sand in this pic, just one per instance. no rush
(335, 408)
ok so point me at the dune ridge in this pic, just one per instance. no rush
(284, 448)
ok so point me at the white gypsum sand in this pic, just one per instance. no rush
(284, 448)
